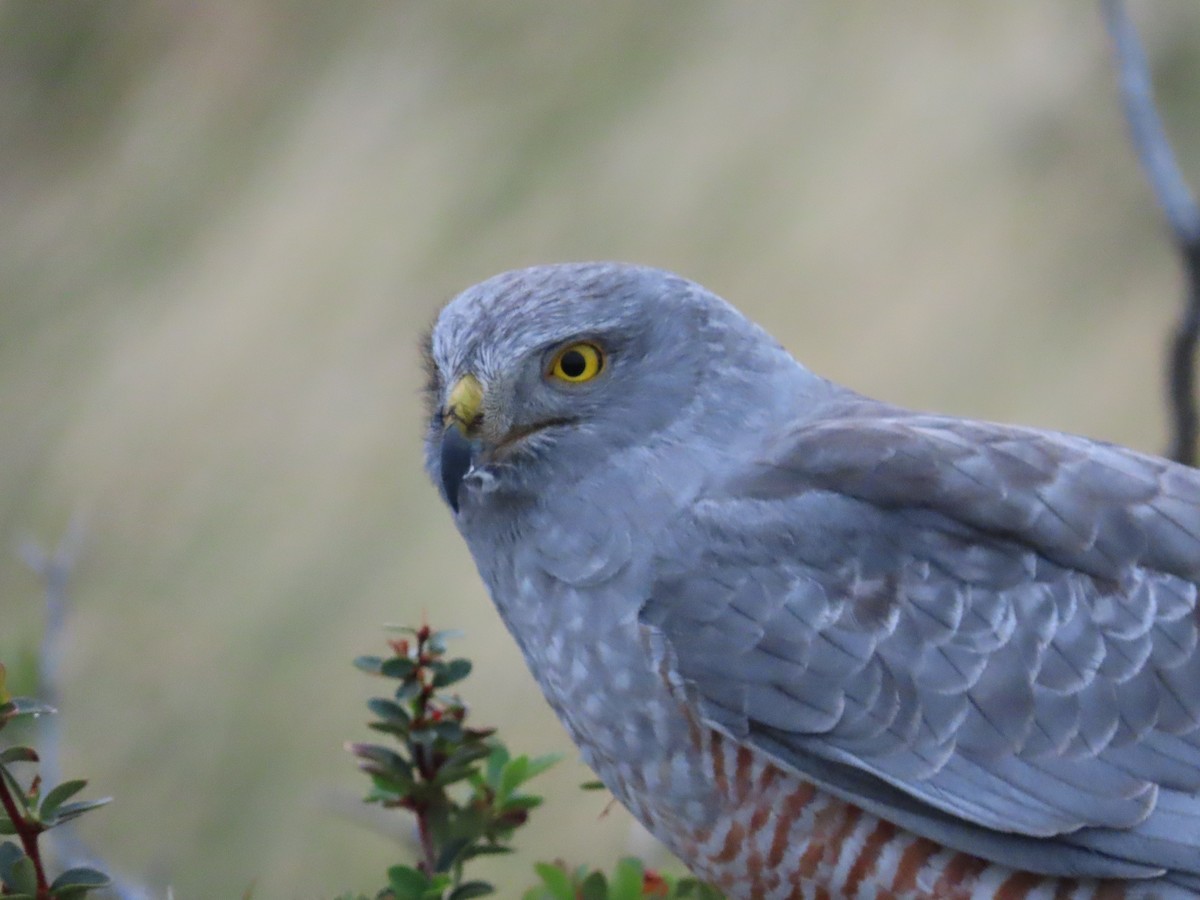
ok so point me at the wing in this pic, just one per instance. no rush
(971, 629)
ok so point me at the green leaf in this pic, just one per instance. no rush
(18, 754)
(424, 736)
(24, 706)
(69, 811)
(485, 850)
(466, 754)
(387, 790)
(522, 802)
(449, 731)
(449, 853)
(594, 887)
(10, 853)
(6, 826)
(21, 877)
(556, 881)
(396, 729)
(513, 775)
(56, 796)
(686, 889)
(592, 786)
(497, 759)
(398, 667)
(78, 881)
(447, 775)
(470, 889)
(14, 787)
(407, 883)
(540, 764)
(382, 760)
(691, 887)
(437, 886)
(450, 673)
(369, 664)
(408, 690)
(389, 710)
(28, 706)
(437, 640)
(627, 880)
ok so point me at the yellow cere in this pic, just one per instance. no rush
(463, 404)
(577, 362)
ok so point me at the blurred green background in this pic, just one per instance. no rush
(225, 224)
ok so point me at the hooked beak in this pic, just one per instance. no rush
(460, 421)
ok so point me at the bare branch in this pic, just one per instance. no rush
(1178, 205)
(54, 568)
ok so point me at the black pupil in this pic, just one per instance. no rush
(573, 363)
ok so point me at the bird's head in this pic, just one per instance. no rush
(553, 369)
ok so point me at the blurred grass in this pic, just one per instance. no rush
(226, 224)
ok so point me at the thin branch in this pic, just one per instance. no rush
(1182, 214)
(429, 853)
(54, 568)
(27, 834)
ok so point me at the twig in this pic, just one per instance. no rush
(27, 837)
(1178, 205)
(429, 854)
(54, 569)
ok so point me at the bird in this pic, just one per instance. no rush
(818, 644)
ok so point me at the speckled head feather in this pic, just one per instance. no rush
(663, 338)
(819, 645)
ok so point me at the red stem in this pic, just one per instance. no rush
(427, 763)
(427, 848)
(27, 835)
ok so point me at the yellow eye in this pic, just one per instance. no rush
(577, 362)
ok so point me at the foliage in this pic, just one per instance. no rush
(28, 812)
(460, 783)
(463, 787)
(630, 881)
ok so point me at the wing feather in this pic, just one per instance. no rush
(998, 623)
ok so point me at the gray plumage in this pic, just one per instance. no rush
(982, 633)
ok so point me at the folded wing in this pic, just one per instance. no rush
(987, 634)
